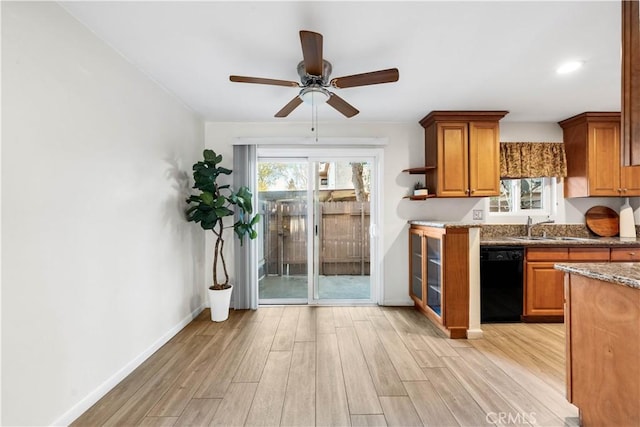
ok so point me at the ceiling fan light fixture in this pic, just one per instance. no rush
(314, 95)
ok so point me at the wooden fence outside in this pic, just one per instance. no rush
(343, 236)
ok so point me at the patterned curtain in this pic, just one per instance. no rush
(532, 160)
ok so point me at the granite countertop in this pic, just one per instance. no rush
(559, 241)
(560, 235)
(444, 224)
(620, 273)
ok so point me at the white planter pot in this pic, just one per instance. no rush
(219, 302)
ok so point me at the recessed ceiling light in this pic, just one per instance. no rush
(569, 67)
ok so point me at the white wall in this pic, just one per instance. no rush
(530, 132)
(99, 266)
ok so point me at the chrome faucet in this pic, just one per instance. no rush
(530, 224)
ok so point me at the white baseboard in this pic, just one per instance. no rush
(88, 401)
(474, 334)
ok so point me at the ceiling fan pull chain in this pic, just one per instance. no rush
(314, 115)
(315, 108)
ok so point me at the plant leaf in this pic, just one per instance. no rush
(219, 202)
(222, 212)
(207, 198)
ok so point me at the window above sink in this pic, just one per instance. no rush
(524, 196)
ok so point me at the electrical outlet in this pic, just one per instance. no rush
(478, 214)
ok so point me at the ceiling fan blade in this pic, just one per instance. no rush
(341, 105)
(287, 109)
(259, 80)
(312, 52)
(364, 79)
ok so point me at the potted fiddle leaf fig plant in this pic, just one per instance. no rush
(213, 203)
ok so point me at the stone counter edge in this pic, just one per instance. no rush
(619, 273)
(444, 224)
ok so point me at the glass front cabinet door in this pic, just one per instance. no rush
(425, 286)
(434, 275)
(416, 268)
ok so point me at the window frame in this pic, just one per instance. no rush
(549, 200)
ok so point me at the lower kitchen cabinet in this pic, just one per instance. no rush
(544, 296)
(625, 254)
(544, 285)
(439, 276)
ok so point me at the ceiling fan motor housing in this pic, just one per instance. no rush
(308, 79)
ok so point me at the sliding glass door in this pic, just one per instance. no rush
(317, 229)
(283, 194)
(342, 221)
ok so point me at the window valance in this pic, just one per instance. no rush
(532, 160)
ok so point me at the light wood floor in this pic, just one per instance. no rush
(299, 366)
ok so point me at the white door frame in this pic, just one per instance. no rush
(314, 154)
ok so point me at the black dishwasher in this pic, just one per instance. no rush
(501, 283)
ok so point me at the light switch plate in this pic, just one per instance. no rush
(478, 214)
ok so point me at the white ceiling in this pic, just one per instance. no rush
(479, 55)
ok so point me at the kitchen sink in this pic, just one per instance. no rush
(527, 238)
(551, 238)
(569, 238)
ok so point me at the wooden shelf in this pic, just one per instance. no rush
(415, 171)
(428, 196)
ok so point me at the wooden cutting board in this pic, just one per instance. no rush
(603, 221)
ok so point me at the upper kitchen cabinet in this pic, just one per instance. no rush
(592, 144)
(462, 153)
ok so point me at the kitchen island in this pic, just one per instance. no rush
(602, 318)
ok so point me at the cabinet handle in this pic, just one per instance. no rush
(466, 191)
(632, 254)
(624, 190)
(619, 190)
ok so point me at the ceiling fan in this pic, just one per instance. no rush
(314, 74)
